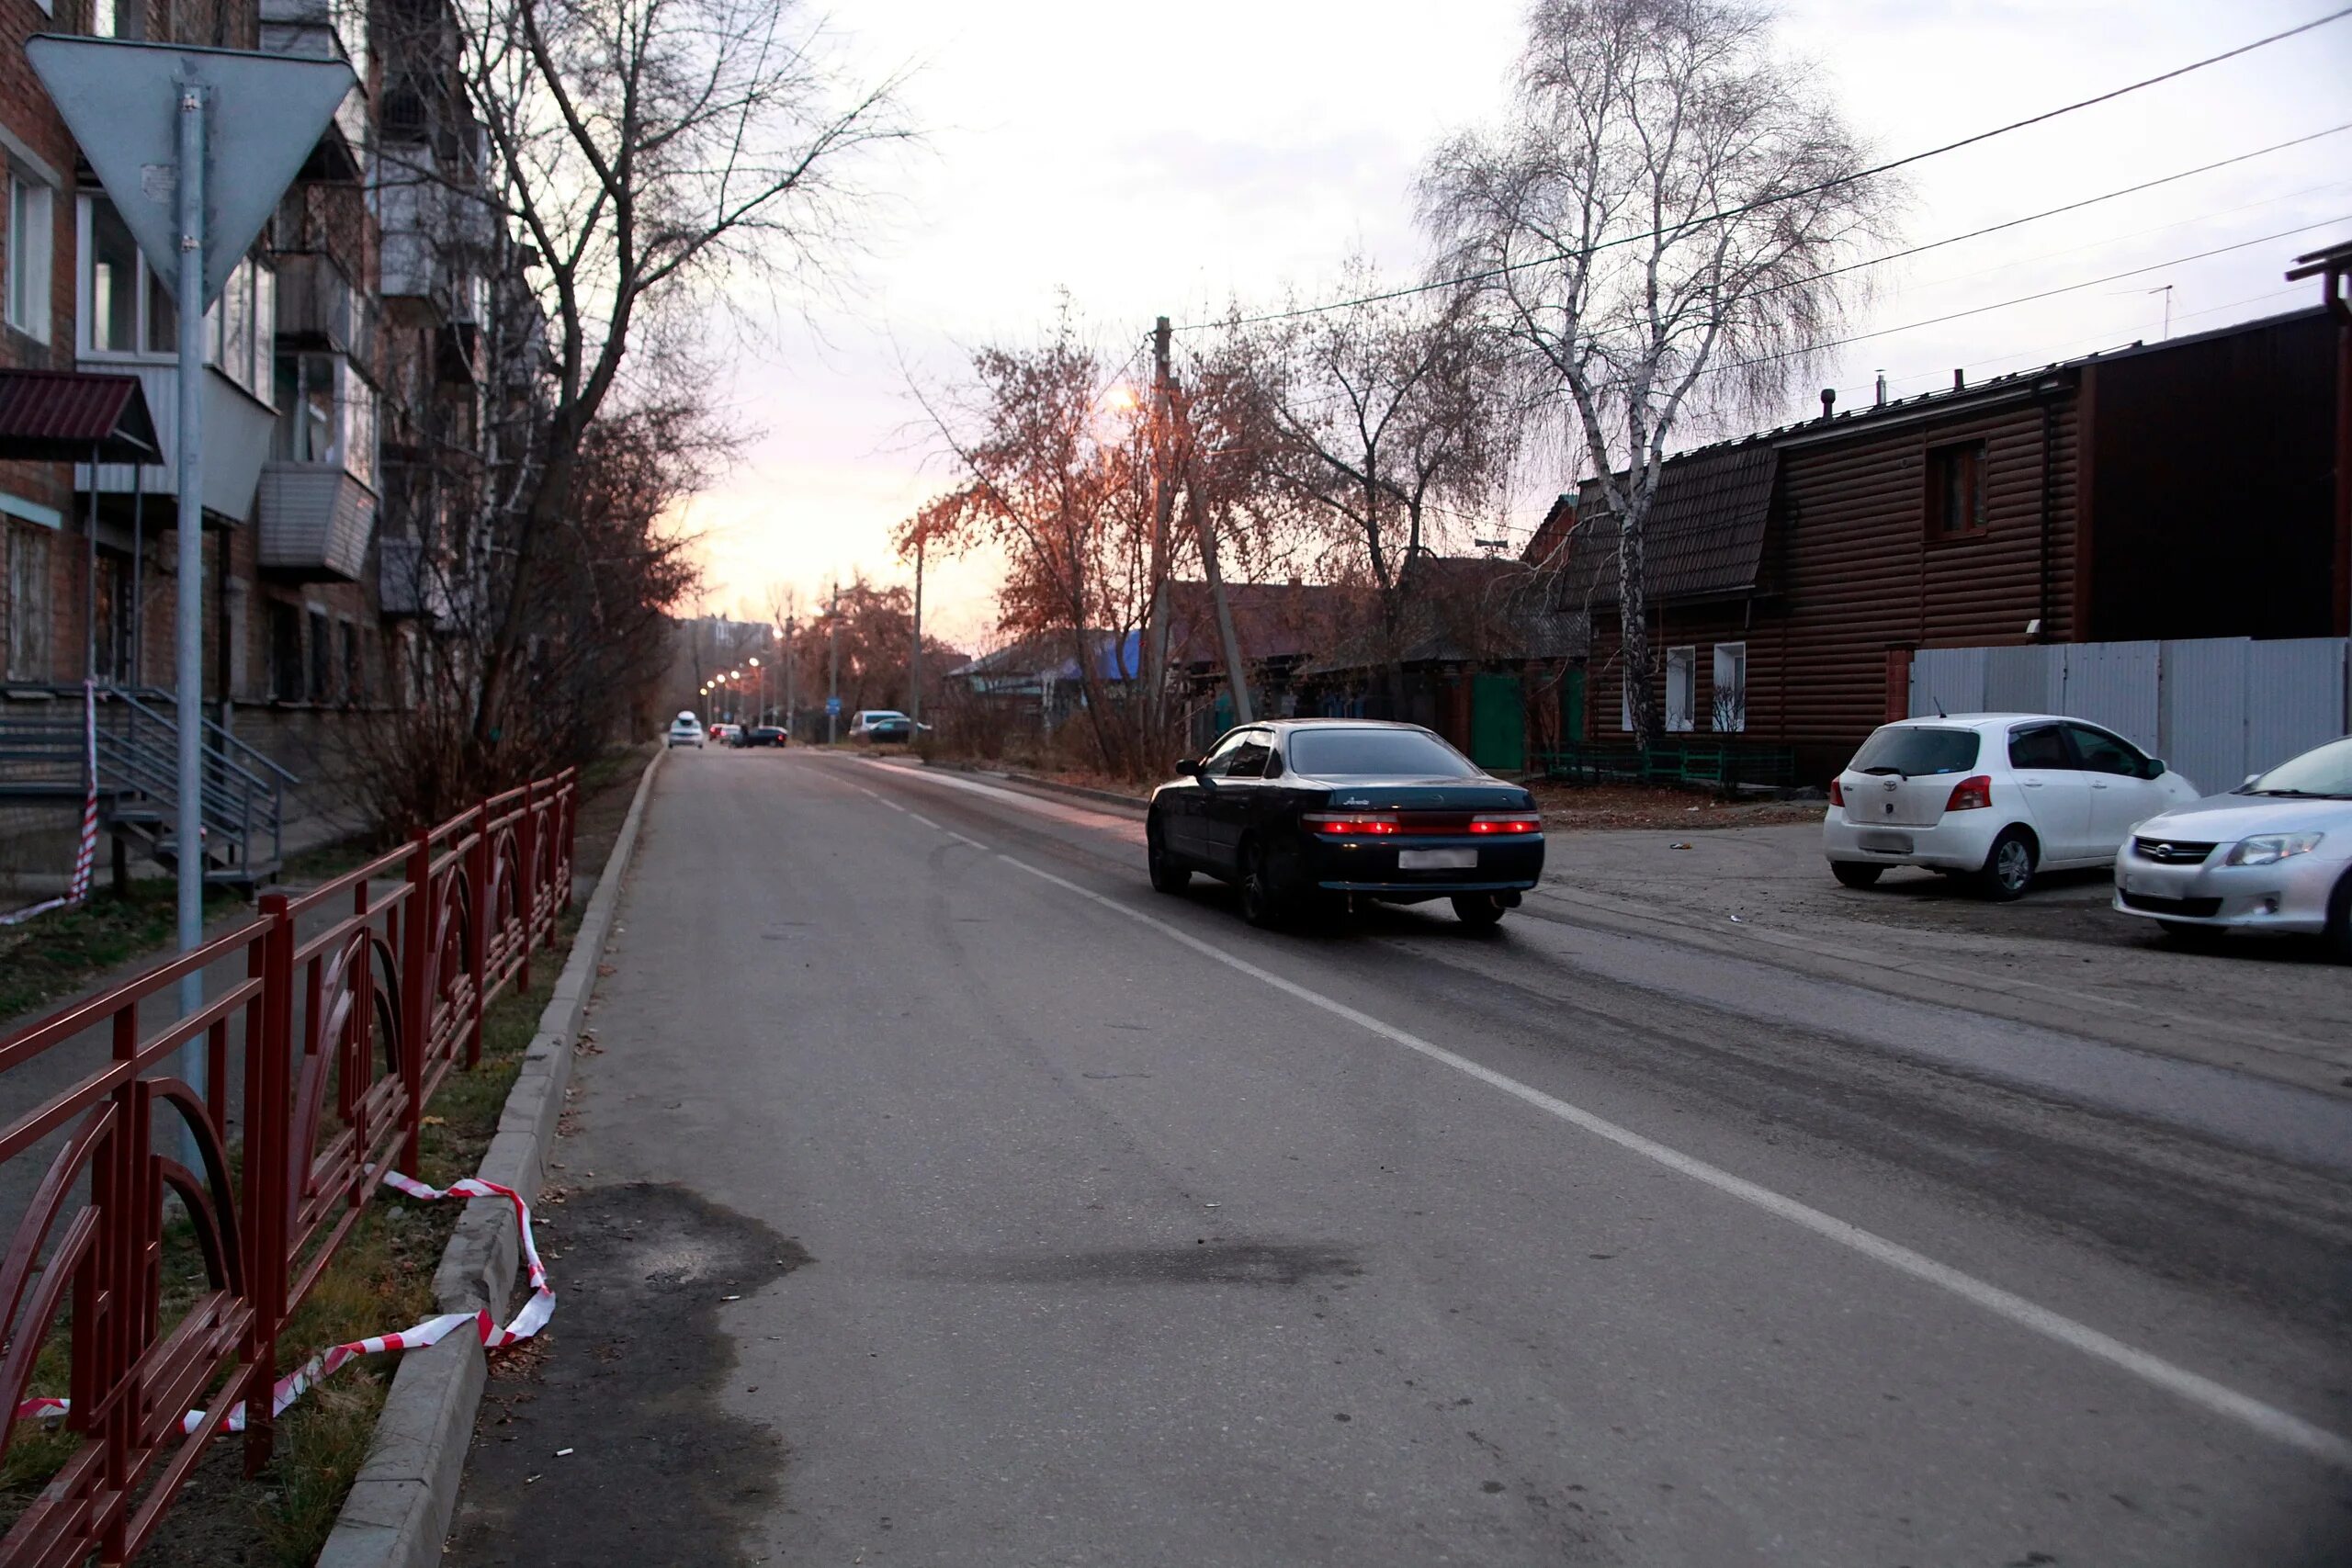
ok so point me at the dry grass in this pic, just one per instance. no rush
(381, 1279)
(1603, 807)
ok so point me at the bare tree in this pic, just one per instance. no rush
(1652, 235)
(642, 155)
(1055, 451)
(1386, 417)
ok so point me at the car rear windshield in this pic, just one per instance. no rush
(1910, 751)
(2326, 770)
(1368, 753)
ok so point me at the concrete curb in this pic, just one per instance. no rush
(398, 1510)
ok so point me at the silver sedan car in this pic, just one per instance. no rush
(2275, 854)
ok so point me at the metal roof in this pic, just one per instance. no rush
(60, 416)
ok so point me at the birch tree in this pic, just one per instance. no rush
(1652, 235)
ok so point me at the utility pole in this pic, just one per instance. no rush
(791, 669)
(833, 659)
(915, 662)
(1163, 505)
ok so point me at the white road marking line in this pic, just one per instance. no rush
(919, 816)
(2216, 1398)
(961, 840)
(922, 818)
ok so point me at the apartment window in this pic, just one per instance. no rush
(30, 243)
(1730, 706)
(240, 330)
(321, 659)
(125, 309)
(329, 414)
(285, 652)
(1956, 490)
(29, 595)
(1681, 689)
(354, 669)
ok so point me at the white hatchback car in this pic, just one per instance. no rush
(686, 731)
(1999, 797)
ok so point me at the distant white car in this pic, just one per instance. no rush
(722, 732)
(1999, 797)
(686, 731)
(868, 723)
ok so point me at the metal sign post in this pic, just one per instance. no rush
(187, 622)
(194, 187)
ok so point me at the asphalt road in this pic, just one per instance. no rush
(940, 1194)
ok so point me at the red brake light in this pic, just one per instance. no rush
(1509, 822)
(1971, 794)
(1837, 793)
(1353, 824)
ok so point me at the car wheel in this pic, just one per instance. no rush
(1260, 905)
(2339, 921)
(2008, 865)
(1168, 874)
(1479, 911)
(1853, 874)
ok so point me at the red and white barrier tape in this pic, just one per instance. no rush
(293, 1385)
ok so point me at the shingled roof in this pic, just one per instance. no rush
(1705, 531)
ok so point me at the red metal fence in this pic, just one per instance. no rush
(358, 998)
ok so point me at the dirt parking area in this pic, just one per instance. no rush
(2060, 952)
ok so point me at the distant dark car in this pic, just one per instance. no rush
(760, 735)
(896, 727)
(1304, 812)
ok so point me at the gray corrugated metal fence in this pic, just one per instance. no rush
(2217, 709)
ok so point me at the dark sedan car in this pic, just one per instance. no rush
(759, 735)
(1300, 812)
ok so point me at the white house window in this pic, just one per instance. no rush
(1731, 687)
(1681, 688)
(30, 242)
(240, 330)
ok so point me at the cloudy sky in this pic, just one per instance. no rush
(1151, 159)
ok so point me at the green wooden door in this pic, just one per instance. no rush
(1497, 723)
(1572, 708)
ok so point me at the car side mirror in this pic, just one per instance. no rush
(1189, 767)
(2247, 781)
(2155, 767)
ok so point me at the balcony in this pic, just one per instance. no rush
(317, 308)
(437, 241)
(237, 431)
(315, 521)
(326, 30)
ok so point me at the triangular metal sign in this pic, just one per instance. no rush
(264, 114)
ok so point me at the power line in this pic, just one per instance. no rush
(1483, 275)
(2023, 299)
(1325, 404)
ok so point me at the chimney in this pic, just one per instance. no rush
(1828, 400)
(1881, 388)
(1958, 380)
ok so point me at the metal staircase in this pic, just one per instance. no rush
(242, 792)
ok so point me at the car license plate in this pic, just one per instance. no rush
(1437, 860)
(1886, 843)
